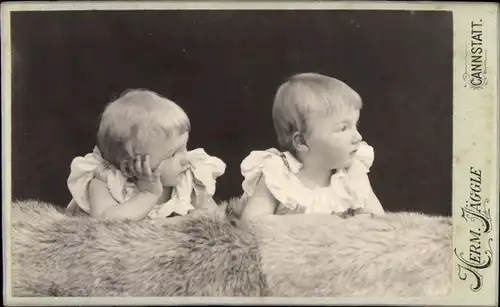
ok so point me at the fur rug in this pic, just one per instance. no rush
(213, 254)
(400, 254)
(56, 255)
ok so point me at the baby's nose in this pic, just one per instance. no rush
(357, 137)
(183, 162)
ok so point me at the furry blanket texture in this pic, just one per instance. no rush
(214, 254)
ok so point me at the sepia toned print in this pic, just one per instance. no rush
(252, 153)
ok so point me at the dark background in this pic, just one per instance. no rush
(223, 68)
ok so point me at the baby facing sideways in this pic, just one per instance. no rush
(324, 163)
(140, 167)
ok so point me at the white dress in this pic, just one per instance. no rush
(348, 189)
(200, 177)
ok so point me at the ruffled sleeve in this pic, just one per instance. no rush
(86, 168)
(82, 171)
(200, 177)
(206, 169)
(273, 167)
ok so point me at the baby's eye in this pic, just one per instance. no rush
(343, 128)
(170, 156)
(177, 152)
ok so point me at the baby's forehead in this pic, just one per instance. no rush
(340, 115)
(165, 145)
(333, 119)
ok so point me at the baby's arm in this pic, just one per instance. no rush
(262, 202)
(104, 206)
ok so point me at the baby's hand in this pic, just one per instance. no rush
(147, 180)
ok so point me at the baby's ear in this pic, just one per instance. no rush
(299, 142)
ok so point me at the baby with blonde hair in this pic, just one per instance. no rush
(141, 167)
(323, 163)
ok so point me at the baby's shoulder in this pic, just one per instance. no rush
(205, 169)
(200, 160)
(275, 168)
(269, 159)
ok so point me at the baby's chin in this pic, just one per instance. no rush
(347, 163)
(170, 183)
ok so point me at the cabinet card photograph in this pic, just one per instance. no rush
(250, 153)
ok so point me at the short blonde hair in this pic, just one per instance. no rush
(306, 95)
(137, 117)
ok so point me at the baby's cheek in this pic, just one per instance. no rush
(330, 149)
(169, 180)
(168, 172)
(335, 155)
(172, 168)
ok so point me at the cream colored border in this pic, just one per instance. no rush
(475, 149)
(475, 143)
